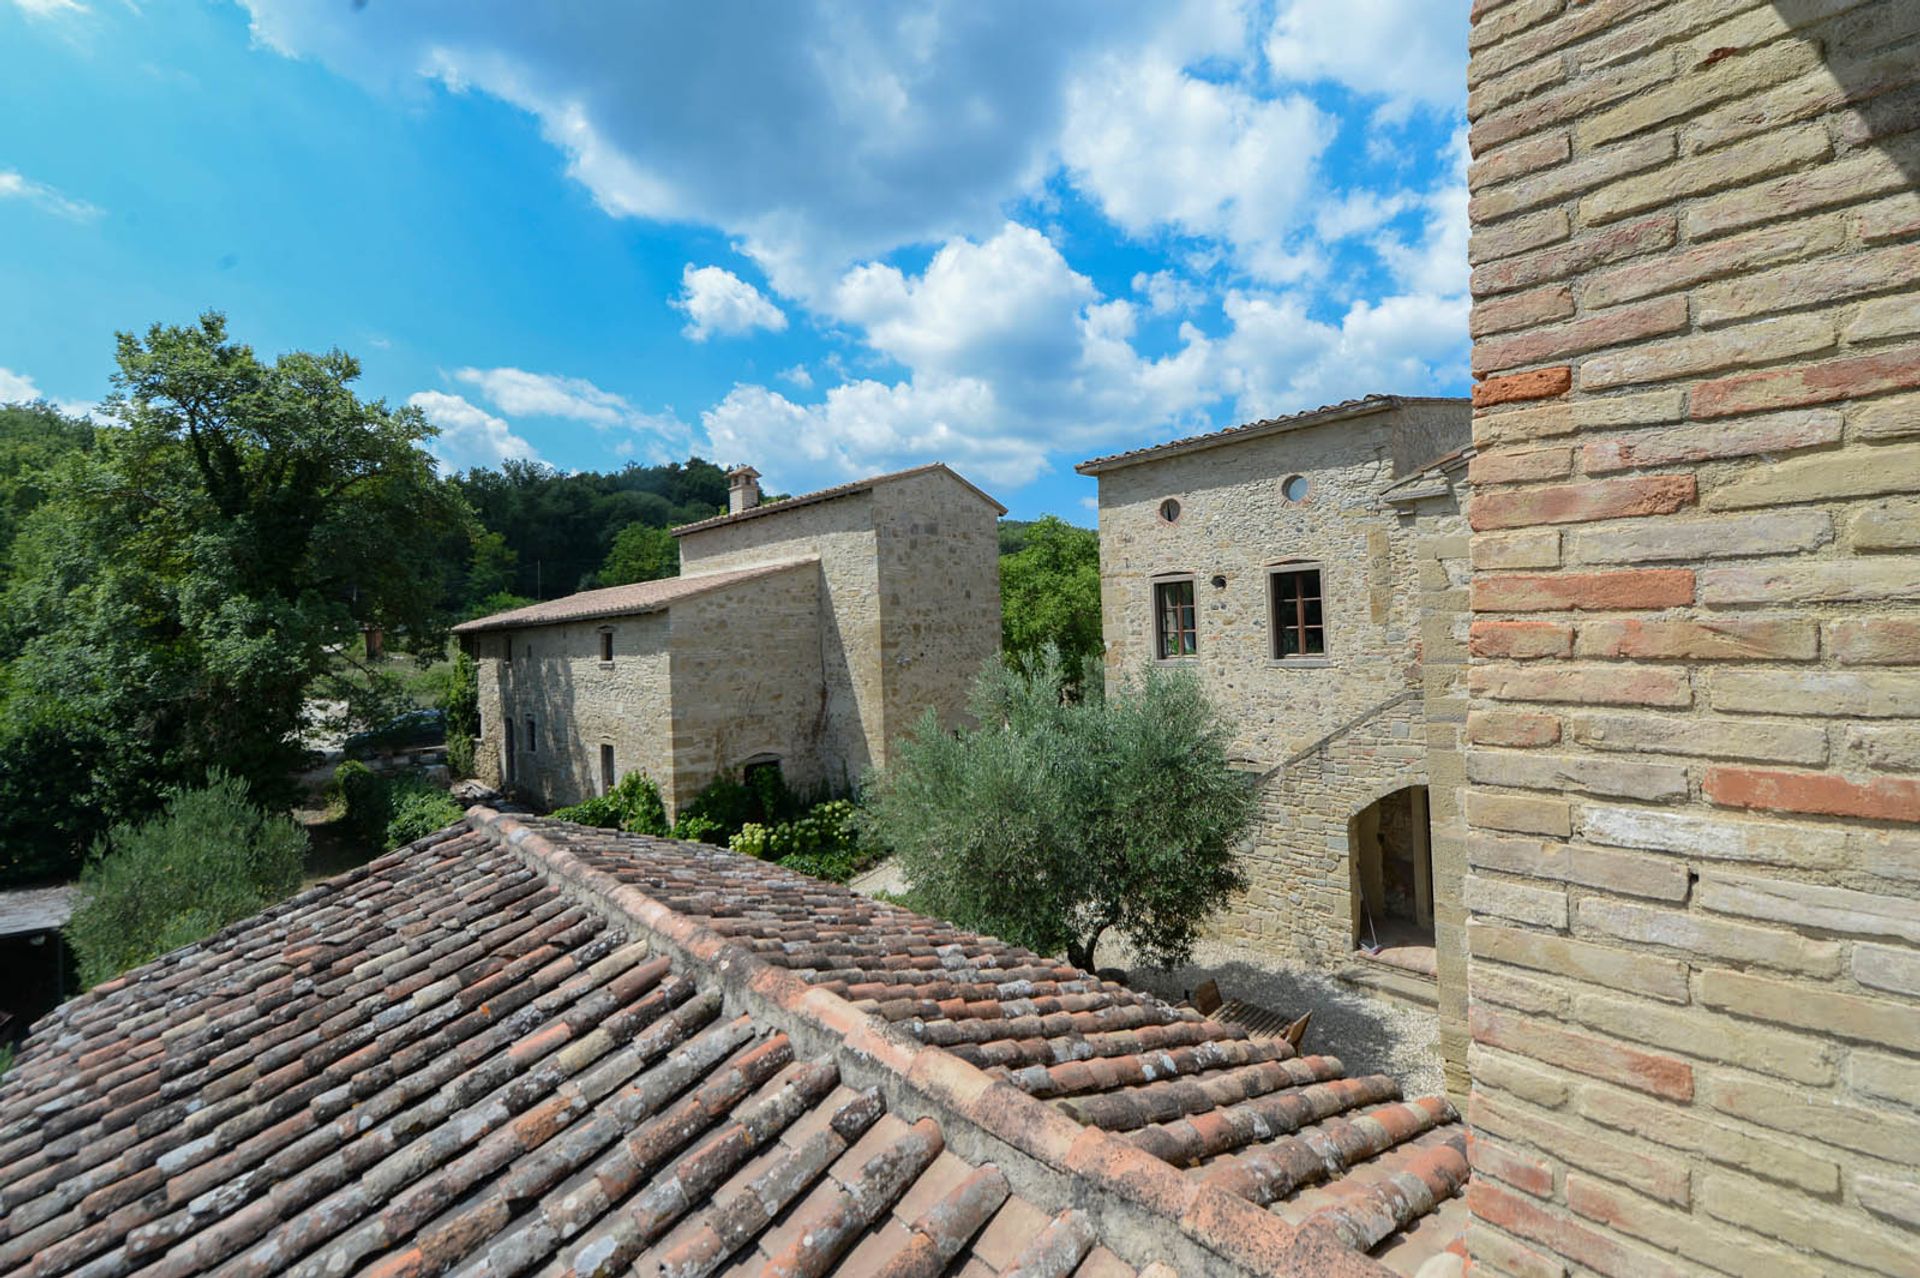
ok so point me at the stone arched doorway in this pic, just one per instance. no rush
(1391, 860)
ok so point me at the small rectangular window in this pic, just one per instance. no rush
(606, 769)
(606, 646)
(509, 658)
(533, 742)
(1178, 635)
(1299, 623)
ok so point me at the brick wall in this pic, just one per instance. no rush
(1694, 736)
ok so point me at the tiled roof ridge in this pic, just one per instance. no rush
(1359, 407)
(1136, 1194)
(847, 489)
(627, 600)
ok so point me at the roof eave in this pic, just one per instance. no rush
(1240, 434)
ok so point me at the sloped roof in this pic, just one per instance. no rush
(1252, 430)
(521, 1045)
(839, 490)
(623, 601)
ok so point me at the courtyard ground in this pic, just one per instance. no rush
(1370, 1035)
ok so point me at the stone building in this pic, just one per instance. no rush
(1312, 571)
(1694, 735)
(807, 632)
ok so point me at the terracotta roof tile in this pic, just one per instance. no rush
(528, 1046)
(622, 601)
(829, 494)
(1366, 404)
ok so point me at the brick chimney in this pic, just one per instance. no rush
(743, 489)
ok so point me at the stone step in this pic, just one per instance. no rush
(1392, 983)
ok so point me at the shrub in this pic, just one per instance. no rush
(633, 805)
(824, 842)
(699, 829)
(1057, 820)
(210, 857)
(368, 806)
(389, 812)
(418, 810)
(460, 698)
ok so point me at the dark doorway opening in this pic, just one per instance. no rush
(1391, 857)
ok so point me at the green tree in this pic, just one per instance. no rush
(1050, 594)
(34, 439)
(209, 858)
(1058, 819)
(188, 579)
(640, 553)
(460, 698)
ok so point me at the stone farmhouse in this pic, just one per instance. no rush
(1689, 822)
(807, 633)
(1311, 570)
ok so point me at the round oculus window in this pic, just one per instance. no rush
(1295, 488)
(1170, 510)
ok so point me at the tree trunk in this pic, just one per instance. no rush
(1081, 954)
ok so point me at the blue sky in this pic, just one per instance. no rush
(828, 239)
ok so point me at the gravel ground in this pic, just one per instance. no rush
(1369, 1035)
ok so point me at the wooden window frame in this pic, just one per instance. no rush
(606, 645)
(1190, 632)
(1277, 626)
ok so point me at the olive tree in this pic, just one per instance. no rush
(1055, 820)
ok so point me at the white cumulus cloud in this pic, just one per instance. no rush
(716, 300)
(523, 394)
(16, 186)
(1407, 51)
(17, 388)
(469, 435)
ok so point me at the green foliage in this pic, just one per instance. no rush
(640, 553)
(699, 829)
(1059, 819)
(824, 841)
(728, 803)
(34, 439)
(367, 804)
(418, 810)
(561, 527)
(1050, 594)
(188, 578)
(209, 858)
(387, 812)
(499, 602)
(6, 1059)
(633, 805)
(460, 698)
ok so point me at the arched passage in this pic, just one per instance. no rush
(1391, 855)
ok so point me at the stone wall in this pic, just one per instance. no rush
(1695, 722)
(747, 683)
(577, 704)
(939, 554)
(1299, 901)
(1442, 573)
(1234, 522)
(841, 533)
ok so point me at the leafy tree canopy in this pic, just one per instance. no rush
(1050, 593)
(560, 528)
(34, 438)
(185, 581)
(1057, 819)
(640, 553)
